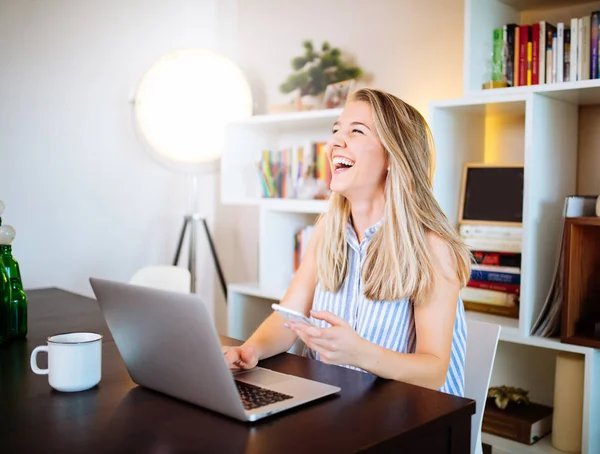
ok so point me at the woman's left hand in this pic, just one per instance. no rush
(339, 344)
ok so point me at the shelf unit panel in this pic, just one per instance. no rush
(276, 246)
(294, 205)
(505, 446)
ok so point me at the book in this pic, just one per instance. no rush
(523, 423)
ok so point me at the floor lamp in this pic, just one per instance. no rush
(181, 108)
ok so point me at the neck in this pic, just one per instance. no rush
(365, 213)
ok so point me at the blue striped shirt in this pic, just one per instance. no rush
(388, 324)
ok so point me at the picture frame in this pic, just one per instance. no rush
(491, 194)
(336, 94)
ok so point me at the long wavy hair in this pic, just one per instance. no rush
(398, 262)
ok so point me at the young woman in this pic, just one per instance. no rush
(382, 272)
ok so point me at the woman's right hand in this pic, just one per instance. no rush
(244, 357)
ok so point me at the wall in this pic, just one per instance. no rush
(80, 189)
(413, 48)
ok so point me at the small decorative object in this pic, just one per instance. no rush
(314, 71)
(503, 395)
(337, 94)
(494, 74)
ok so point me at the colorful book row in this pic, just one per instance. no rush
(542, 52)
(295, 172)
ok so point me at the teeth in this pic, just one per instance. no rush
(340, 160)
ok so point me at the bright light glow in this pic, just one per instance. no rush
(185, 101)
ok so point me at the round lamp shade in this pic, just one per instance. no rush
(185, 101)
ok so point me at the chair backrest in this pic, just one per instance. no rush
(482, 340)
(164, 277)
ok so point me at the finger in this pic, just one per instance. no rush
(329, 317)
(315, 342)
(308, 341)
(309, 330)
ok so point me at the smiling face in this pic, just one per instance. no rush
(357, 157)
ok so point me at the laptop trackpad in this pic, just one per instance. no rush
(262, 377)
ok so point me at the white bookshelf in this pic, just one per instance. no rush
(536, 126)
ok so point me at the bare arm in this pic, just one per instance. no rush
(434, 322)
(271, 337)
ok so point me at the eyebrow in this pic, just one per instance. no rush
(354, 123)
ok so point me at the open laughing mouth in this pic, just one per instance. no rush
(341, 164)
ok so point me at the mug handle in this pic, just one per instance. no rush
(34, 367)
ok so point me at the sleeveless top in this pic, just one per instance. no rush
(390, 324)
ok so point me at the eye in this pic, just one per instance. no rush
(334, 131)
(357, 130)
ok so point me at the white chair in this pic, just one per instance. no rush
(482, 340)
(164, 277)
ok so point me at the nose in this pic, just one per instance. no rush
(336, 140)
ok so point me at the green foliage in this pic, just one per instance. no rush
(315, 70)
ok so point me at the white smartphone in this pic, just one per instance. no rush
(292, 315)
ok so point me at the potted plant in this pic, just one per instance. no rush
(314, 71)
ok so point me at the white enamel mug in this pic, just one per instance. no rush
(74, 361)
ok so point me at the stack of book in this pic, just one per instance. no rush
(543, 53)
(295, 172)
(495, 282)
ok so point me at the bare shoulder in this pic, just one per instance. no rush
(442, 255)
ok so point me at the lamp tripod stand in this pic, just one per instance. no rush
(191, 220)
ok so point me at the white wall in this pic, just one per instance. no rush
(83, 195)
(413, 48)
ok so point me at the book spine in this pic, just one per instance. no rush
(523, 54)
(510, 54)
(494, 245)
(535, 50)
(516, 59)
(542, 52)
(496, 268)
(567, 55)
(493, 276)
(476, 295)
(496, 286)
(550, 30)
(560, 51)
(594, 45)
(497, 258)
(574, 49)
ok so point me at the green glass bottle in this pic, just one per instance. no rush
(18, 304)
(5, 306)
(5, 297)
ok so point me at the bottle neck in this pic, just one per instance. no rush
(5, 249)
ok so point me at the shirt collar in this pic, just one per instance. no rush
(353, 239)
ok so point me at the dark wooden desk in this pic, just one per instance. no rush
(117, 416)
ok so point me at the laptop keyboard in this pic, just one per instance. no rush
(254, 397)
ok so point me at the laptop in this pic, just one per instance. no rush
(169, 344)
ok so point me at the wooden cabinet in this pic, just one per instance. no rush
(581, 304)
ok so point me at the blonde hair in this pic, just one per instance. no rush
(398, 262)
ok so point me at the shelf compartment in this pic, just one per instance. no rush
(246, 140)
(581, 310)
(483, 16)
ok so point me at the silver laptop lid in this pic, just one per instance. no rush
(158, 334)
